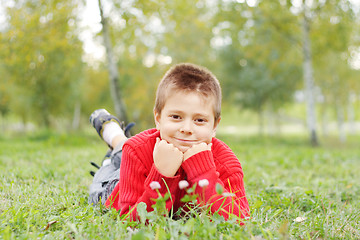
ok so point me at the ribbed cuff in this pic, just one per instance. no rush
(155, 175)
(198, 164)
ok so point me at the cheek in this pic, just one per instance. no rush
(169, 127)
(166, 130)
(208, 140)
(207, 135)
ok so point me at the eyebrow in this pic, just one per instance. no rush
(182, 112)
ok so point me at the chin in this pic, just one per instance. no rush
(183, 149)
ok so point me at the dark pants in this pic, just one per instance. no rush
(106, 178)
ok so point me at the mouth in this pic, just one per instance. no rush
(185, 141)
(184, 144)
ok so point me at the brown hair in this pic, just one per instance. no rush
(191, 78)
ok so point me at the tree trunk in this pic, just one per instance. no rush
(2, 124)
(261, 122)
(309, 82)
(324, 122)
(76, 119)
(340, 122)
(119, 105)
(45, 114)
(278, 123)
(351, 114)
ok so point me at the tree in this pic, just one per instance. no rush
(308, 77)
(329, 27)
(266, 43)
(146, 39)
(43, 58)
(115, 90)
(335, 30)
(260, 61)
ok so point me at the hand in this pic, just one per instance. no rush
(195, 149)
(167, 158)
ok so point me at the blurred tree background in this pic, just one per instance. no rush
(257, 49)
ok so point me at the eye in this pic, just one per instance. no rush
(175, 117)
(200, 120)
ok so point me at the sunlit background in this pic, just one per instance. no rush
(54, 68)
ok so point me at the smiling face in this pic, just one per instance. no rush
(186, 119)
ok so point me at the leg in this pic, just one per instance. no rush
(110, 130)
(117, 140)
(108, 127)
(103, 183)
(106, 178)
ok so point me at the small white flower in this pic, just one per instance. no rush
(155, 185)
(203, 183)
(227, 194)
(300, 219)
(183, 184)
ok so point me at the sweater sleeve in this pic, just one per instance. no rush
(134, 185)
(232, 200)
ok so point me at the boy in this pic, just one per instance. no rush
(181, 147)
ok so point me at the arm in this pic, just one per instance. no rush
(201, 165)
(134, 184)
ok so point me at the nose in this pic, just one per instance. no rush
(186, 127)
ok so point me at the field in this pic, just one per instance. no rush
(295, 192)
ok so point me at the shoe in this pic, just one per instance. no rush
(99, 117)
(127, 129)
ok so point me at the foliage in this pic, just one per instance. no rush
(254, 50)
(261, 65)
(294, 192)
(42, 58)
(334, 27)
(149, 42)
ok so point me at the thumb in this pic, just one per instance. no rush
(157, 141)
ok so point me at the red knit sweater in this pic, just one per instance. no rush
(137, 171)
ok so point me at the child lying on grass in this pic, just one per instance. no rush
(181, 151)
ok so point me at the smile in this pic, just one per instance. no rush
(185, 140)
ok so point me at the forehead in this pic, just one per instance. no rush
(172, 90)
(189, 100)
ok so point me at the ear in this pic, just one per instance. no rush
(215, 126)
(157, 119)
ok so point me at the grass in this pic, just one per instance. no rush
(295, 192)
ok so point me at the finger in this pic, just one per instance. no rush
(157, 142)
(178, 151)
(166, 143)
(163, 141)
(202, 145)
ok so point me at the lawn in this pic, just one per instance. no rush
(294, 191)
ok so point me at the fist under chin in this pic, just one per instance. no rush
(183, 149)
